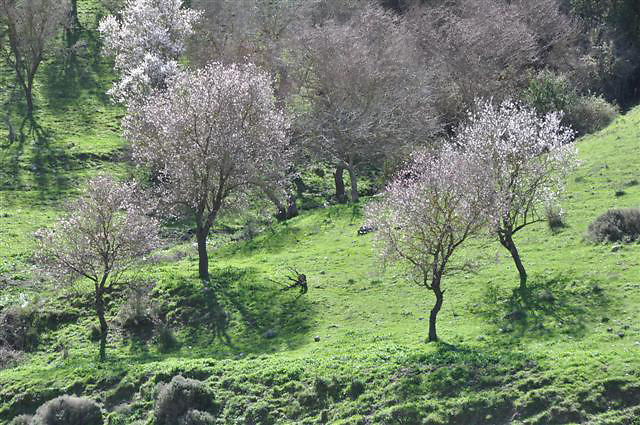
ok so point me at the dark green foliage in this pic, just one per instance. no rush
(68, 410)
(616, 225)
(549, 92)
(94, 333)
(356, 389)
(588, 114)
(622, 15)
(181, 398)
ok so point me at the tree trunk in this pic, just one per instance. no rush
(292, 208)
(435, 287)
(28, 94)
(337, 176)
(507, 241)
(354, 184)
(73, 25)
(103, 324)
(203, 257)
(281, 210)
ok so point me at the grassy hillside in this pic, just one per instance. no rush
(350, 351)
(573, 359)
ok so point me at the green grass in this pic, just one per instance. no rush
(555, 357)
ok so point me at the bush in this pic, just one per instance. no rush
(18, 329)
(178, 401)
(548, 92)
(138, 310)
(616, 225)
(555, 218)
(21, 420)
(9, 357)
(197, 417)
(68, 410)
(588, 114)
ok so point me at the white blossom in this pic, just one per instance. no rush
(146, 44)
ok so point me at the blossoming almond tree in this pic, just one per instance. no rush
(427, 212)
(528, 158)
(146, 44)
(212, 136)
(103, 233)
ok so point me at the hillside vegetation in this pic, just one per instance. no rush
(351, 350)
(573, 358)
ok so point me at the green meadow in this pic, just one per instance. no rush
(352, 350)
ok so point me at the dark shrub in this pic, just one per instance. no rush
(68, 410)
(21, 420)
(197, 417)
(356, 389)
(616, 225)
(178, 401)
(588, 114)
(18, 328)
(555, 218)
(138, 310)
(9, 357)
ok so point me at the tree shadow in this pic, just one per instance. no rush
(33, 161)
(551, 304)
(471, 375)
(277, 239)
(237, 311)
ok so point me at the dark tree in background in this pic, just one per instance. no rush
(28, 30)
(365, 96)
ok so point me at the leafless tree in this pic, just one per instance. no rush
(28, 29)
(364, 95)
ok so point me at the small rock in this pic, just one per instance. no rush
(609, 329)
(333, 326)
(420, 318)
(316, 338)
(481, 338)
(270, 334)
(625, 327)
(616, 248)
(621, 334)
(605, 320)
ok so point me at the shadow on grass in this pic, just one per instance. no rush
(552, 304)
(238, 311)
(33, 162)
(472, 377)
(274, 240)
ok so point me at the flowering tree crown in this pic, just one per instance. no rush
(102, 234)
(146, 44)
(527, 158)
